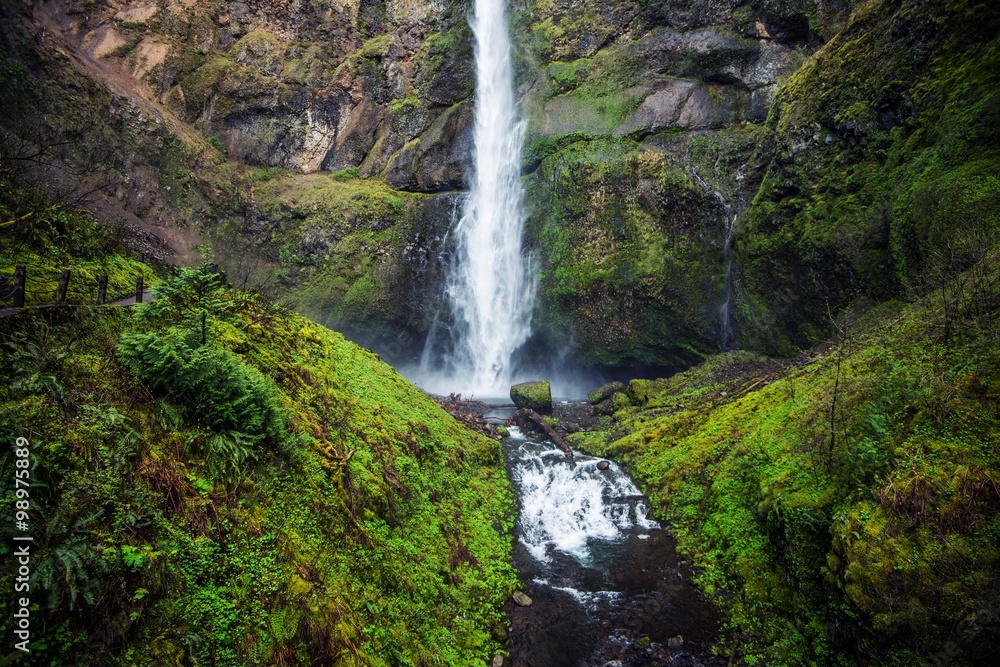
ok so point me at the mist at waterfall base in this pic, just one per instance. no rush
(536, 359)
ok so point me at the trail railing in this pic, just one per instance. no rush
(20, 286)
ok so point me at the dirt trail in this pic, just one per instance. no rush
(59, 33)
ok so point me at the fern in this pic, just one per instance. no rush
(71, 568)
(37, 362)
(226, 453)
(215, 386)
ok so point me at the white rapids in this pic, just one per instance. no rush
(567, 504)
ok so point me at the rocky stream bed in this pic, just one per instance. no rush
(602, 582)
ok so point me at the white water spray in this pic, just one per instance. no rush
(566, 505)
(490, 286)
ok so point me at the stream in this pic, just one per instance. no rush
(606, 584)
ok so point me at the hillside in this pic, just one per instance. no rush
(843, 505)
(216, 480)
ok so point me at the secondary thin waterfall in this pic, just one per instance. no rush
(490, 287)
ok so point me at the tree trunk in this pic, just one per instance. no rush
(528, 419)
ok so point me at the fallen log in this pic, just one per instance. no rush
(528, 420)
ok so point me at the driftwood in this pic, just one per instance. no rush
(527, 419)
(467, 412)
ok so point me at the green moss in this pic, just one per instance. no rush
(535, 396)
(833, 505)
(407, 103)
(895, 128)
(374, 531)
(630, 248)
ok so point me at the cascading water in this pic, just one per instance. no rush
(606, 583)
(566, 506)
(490, 286)
(726, 336)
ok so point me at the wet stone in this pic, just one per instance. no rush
(521, 600)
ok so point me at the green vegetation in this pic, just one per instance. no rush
(47, 237)
(881, 175)
(219, 481)
(535, 396)
(630, 246)
(843, 506)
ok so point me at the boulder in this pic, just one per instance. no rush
(610, 406)
(535, 396)
(521, 600)
(605, 392)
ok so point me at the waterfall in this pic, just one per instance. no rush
(727, 339)
(490, 286)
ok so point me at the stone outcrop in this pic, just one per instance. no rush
(439, 158)
(303, 86)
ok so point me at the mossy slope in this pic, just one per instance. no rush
(280, 497)
(843, 506)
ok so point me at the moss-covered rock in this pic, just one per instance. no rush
(535, 396)
(877, 169)
(630, 246)
(604, 392)
(612, 404)
(348, 252)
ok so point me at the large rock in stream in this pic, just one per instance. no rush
(535, 396)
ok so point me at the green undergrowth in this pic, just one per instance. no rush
(47, 237)
(218, 481)
(843, 507)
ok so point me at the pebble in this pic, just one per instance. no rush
(603, 465)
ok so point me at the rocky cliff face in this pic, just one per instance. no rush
(641, 119)
(303, 86)
(328, 141)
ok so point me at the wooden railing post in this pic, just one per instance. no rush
(63, 286)
(138, 289)
(20, 274)
(102, 289)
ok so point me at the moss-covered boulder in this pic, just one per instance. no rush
(605, 392)
(535, 396)
(616, 401)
